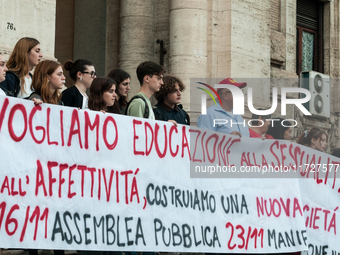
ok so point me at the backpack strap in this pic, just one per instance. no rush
(146, 111)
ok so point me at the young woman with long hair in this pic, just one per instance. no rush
(122, 80)
(82, 72)
(25, 56)
(102, 94)
(47, 81)
(315, 139)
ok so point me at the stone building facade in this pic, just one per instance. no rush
(242, 39)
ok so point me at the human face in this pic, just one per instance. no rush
(123, 88)
(320, 144)
(109, 96)
(226, 95)
(173, 98)
(288, 134)
(34, 56)
(86, 77)
(155, 82)
(3, 68)
(56, 79)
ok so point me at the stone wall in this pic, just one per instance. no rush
(28, 18)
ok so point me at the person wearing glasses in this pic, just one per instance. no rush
(82, 72)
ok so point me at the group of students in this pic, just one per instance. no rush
(107, 94)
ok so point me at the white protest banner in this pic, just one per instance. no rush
(84, 180)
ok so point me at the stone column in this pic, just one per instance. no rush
(112, 35)
(136, 42)
(188, 42)
(90, 32)
(64, 34)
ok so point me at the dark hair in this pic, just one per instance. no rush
(306, 137)
(149, 68)
(97, 89)
(74, 67)
(264, 117)
(277, 130)
(118, 76)
(169, 86)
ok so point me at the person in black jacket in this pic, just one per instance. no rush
(169, 98)
(82, 72)
(25, 56)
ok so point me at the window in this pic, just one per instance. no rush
(309, 35)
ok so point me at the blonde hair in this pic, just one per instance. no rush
(40, 83)
(18, 61)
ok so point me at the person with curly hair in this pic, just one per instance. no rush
(169, 97)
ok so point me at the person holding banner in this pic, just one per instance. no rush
(82, 72)
(25, 56)
(168, 107)
(3, 70)
(224, 113)
(102, 94)
(48, 79)
(122, 80)
(315, 139)
(281, 129)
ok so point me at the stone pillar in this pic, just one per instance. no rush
(90, 32)
(112, 35)
(64, 34)
(188, 42)
(136, 40)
